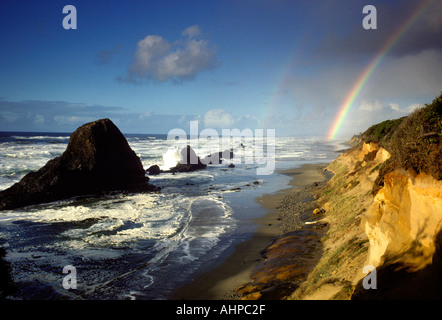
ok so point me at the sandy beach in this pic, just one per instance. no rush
(286, 211)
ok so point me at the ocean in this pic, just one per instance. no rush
(137, 246)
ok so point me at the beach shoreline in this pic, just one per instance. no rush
(235, 271)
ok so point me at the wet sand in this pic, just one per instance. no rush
(284, 214)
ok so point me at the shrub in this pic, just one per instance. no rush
(414, 141)
(380, 132)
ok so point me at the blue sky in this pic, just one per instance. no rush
(152, 66)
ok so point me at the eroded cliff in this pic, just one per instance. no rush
(384, 209)
(404, 219)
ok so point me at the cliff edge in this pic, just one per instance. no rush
(384, 211)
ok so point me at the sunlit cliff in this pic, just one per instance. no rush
(384, 210)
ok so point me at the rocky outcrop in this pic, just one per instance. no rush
(217, 157)
(189, 161)
(154, 170)
(97, 159)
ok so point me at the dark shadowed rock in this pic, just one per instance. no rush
(154, 170)
(216, 158)
(97, 159)
(189, 161)
(7, 284)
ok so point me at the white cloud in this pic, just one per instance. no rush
(218, 118)
(369, 106)
(406, 110)
(394, 106)
(145, 115)
(156, 58)
(192, 31)
(149, 52)
(39, 119)
(68, 120)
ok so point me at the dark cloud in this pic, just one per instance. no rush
(423, 34)
(409, 74)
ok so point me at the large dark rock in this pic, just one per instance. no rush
(189, 161)
(97, 159)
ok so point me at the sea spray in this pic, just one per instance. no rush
(170, 158)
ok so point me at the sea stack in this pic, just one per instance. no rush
(97, 159)
(189, 161)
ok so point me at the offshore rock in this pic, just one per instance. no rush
(154, 170)
(97, 159)
(189, 161)
(217, 157)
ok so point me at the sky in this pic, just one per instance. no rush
(153, 66)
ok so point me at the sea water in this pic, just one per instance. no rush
(137, 246)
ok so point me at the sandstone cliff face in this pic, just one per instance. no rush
(345, 200)
(404, 219)
(398, 230)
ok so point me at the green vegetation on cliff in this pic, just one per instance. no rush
(381, 132)
(416, 143)
(413, 142)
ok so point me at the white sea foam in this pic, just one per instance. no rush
(18, 159)
(62, 138)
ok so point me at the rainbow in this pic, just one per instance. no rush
(266, 121)
(368, 71)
